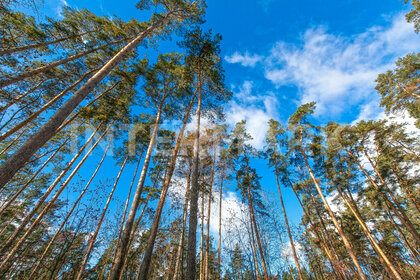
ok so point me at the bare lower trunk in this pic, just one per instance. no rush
(50, 189)
(219, 268)
(206, 257)
(201, 272)
(98, 227)
(254, 221)
(254, 249)
(23, 188)
(13, 164)
(179, 262)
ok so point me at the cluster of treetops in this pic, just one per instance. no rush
(58, 77)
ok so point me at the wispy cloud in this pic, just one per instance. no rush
(337, 71)
(244, 59)
(256, 109)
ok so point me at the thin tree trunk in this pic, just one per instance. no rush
(206, 257)
(201, 272)
(144, 269)
(3, 265)
(254, 249)
(31, 275)
(22, 76)
(253, 220)
(334, 219)
(12, 165)
(410, 194)
(98, 227)
(220, 226)
(122, 247)
(32, 117)
(192, 233)
(179, 262)
(39, 45)
(126, 204)
(287, 223)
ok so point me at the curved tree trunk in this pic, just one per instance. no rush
(334, 219)
(122, 247)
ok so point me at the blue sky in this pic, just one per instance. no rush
(280, 54)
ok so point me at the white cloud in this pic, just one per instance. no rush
(256, 109)
(244, 59)
(337, 71)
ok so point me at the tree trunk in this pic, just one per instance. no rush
(383, 258)
(179, 262)
(3, 265)
(98, 227)
(254, 249)
(287, 223)
(126, 204)
(220, 226)
(32, 117)
(192, 234)
(206, 257)
(32, 274)
(50, 189)
(145, 265)
(201, 272)
(122, 247)
(13, 164)
(253, 220)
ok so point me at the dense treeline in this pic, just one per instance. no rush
(71, 86)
